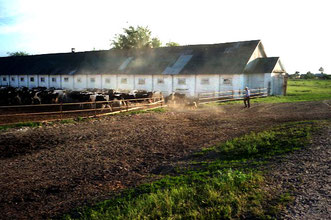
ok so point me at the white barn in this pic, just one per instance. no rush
(185, 69)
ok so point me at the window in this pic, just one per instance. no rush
(79, 80)
(4, 79)
(22, 79)
(160, 81)
(124, 80)
(13, 79)
(227, 81)
(107, 80)
(42, 79)
(66, 79)
(141, 81)
(53, 79)
(204, 81)
(31, 79)
(181, 81)
(92, 80)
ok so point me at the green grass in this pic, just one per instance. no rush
(214, 187)
(297, 91)
(157, 110)
(20, 125)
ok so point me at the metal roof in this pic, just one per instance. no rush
(225, 58)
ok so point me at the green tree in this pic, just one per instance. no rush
(135, 37)
(172, 44)
(18, 53)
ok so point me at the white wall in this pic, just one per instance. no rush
(4, 80)
(207, 83)
(23, 83)
(32, 81)
(165, 87)
(46, 81)
(125, 82)
(57, 84)
(13, 80)
(146, 80)
(112, 81)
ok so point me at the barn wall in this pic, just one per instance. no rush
(22, 81)
(94, 81)
(207, 83)
(4, 80)
(80, 82)
(43, 81)
(184, 84)
(67, 81)
(13, 80)
(33, 81)
(109, 81)
(57, 84)
(125, 82)
(163, 83)
(143, 82)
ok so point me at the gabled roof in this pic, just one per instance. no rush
(262, 65)
(225, 58)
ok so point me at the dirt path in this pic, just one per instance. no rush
(307, 174)
(49, 170)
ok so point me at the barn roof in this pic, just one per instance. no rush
(225, 58)
(262, 65)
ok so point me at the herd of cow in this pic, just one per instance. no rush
(42, 95)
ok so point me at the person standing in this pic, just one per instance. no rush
(247, 98)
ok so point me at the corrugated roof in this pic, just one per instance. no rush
(262, 65)
(225, 58)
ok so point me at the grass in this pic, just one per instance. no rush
(20, 125)
(214, 187)
(297, 91)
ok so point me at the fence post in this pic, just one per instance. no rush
(61, 110)
(95, 108)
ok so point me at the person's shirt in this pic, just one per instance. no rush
(247, 93)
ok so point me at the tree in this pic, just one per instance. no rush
(18, 53)
(321, 70)
(172, 44)
(135, 37)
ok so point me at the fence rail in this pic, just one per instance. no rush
(61, 110)
(230, 95)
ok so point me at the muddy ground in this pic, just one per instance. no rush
(49, 170)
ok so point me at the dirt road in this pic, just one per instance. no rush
(49, 170)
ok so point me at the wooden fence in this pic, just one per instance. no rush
(230, 95)
(72, 110)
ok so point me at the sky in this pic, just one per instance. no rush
(298, 31)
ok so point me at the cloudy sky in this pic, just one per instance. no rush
(297, 31)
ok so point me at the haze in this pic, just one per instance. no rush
(297, 31)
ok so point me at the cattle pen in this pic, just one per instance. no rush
(53, 112)
(63, 111)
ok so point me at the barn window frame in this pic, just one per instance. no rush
(31, 79)
(92, 80)
(22, 79)
(205, 81)
(4, 79)
(160, 81)
(107, 80)
(65, 79)
(13, 79)
(124, 80)
(42, 79)
(141, 81)
(53, 79)
(181, 81)
(79, 80)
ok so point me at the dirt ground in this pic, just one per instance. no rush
(49, 170)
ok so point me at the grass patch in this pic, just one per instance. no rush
(215, 188)
(20, 125)
(156, 110)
